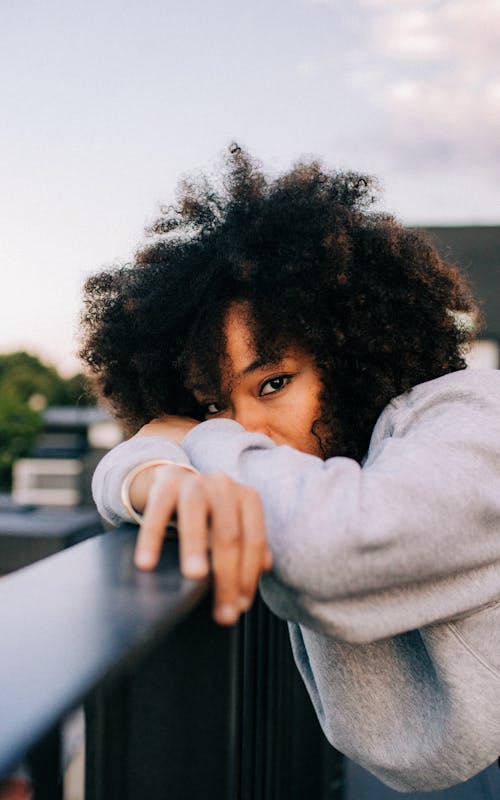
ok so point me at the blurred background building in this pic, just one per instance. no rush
(476, 250)
(64, 457)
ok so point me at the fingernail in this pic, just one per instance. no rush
(245, 603)
(145, 558)
(194, 566)
(226, 615)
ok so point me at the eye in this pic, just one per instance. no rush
(274, 385)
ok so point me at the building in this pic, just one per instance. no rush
(476, 250)
(60, 469)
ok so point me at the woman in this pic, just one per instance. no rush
(305, 356)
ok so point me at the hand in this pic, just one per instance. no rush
(170, 425)
(220, 526)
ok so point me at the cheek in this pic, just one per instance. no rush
(300, 431)
(290, 417)
(314, 441)
(313, 428)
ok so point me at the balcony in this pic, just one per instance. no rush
(175, 706)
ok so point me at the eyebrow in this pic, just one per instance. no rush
(259, 363)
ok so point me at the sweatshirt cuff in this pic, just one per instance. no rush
(217, 444)
(115, 466)
(207, 428)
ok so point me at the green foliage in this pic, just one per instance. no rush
(26, 386)
(79, 391)
(19, 427)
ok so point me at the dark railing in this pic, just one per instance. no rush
(175, 706)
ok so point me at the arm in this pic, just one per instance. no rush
(115, 466)
(410, 538)
(426, 504)
(215, 515)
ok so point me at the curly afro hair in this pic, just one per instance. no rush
(371, 302)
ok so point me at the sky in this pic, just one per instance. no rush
(106, 104)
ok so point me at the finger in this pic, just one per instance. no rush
(225, 539)
(255, 552)
(192, 527)
(160, 506)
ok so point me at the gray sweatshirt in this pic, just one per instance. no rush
(388, 573)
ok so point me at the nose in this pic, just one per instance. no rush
(252, 416)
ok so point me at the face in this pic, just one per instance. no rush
(281, 400)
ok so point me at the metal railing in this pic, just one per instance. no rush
(175, 706)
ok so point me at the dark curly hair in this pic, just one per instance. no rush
(371, 302)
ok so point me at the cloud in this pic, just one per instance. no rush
(445, 123)
(321, 2)
(407, 33)
(392, 4)
(307, 68)
(425, 76)
(430, 72)
(449, 29)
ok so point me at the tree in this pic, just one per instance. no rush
(27, 385)
(19, 427)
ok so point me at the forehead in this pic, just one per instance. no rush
(240, 348)
(233, 346)
(244, 353)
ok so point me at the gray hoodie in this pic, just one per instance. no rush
(388, 573)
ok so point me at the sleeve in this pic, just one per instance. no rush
(115, 466)
(411, 537)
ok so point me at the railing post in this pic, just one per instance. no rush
(44, 764)
(168, 732)
(212, 714)
(106, 741)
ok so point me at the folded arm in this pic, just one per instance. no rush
(419, 520)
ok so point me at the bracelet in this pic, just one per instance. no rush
(127, 482)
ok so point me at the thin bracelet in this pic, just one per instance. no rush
(127, 483)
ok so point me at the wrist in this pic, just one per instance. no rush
(170, 426)
(138, 482)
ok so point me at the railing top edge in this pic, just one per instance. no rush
(70, 621)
